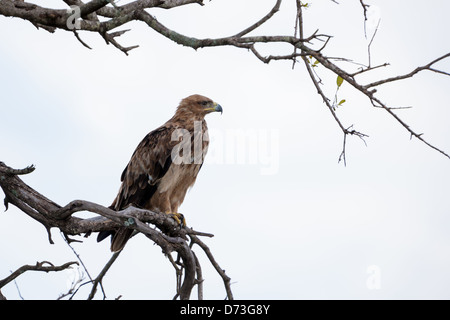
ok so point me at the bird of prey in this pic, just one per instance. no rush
(164, 165)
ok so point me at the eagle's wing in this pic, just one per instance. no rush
(148, 164)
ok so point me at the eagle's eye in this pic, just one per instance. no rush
(203, 103)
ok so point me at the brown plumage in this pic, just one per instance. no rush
(164, 165)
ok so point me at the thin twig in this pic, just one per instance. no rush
(364, 6)
(256, 25)
(199, 280)
(412, 73)
(39, 266)
(99, 278)
(370, 42)
(220, 271)
(178, 275)
(79, 39)
(16, 172)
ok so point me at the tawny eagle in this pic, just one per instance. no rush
(164, 165)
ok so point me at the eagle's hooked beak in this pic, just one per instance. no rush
(215, 108)
(218, 107)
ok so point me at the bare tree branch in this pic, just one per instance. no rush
(274, 10)
(170, 237)
(364, 89)
(364, 6)
(412, 73)
(223, 275)
(99, 278)
(44, 266)
(84, 17)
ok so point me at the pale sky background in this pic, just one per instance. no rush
(309, 229)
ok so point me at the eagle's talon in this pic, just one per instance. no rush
(179, 218)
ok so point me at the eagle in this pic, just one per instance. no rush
(164, 165)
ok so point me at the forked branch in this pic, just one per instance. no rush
(167, 234)
(85, 16)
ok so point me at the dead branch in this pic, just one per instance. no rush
(370, 93)
(168, 235)
(44, 266)
(83, 16)
(428, 67)
(99, 278)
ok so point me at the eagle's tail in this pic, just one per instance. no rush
(102, 235)
(118, 237)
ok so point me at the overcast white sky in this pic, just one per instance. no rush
(289, 221)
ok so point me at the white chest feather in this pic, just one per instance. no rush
(178, 179)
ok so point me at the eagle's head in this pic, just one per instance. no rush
(198, 106)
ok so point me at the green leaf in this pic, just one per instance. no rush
(341, 102)
(316, 63)
(339, 81)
